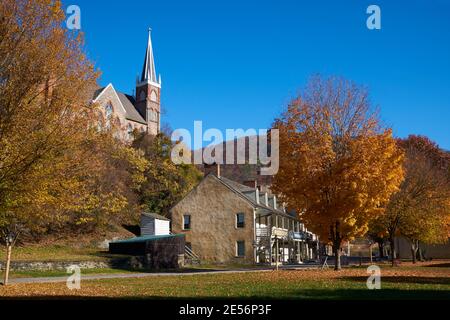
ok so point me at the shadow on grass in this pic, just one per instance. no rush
(402, 279)
(302, 295)
(439, 265)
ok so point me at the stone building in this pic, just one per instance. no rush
(430, 251)
(227, 222)
(139, 112)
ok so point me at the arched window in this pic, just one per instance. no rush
(100, 121)
(142, 96)
(130, 131)
(153, 96)
(153, 115)
(108, 115)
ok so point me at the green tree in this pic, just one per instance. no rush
(166, 183)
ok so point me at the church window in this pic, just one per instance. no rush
(153, 116)
(153, 96)
(130, 131)
(142, 95)
(108, 115)
(100, 121)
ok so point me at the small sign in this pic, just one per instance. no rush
(279, 232)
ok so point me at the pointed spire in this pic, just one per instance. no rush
(148, 71)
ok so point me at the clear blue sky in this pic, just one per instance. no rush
(236, 64)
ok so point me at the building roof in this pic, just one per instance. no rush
(244, 191)
(131, 111)
(237, 185)
(155, 215)
(127, 102)
(147, 238)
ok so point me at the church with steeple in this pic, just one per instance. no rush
(142, 111)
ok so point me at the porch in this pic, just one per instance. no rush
(283, 239)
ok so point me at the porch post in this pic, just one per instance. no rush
(276, 253)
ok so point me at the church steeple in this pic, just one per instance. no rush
(148, 90)
(148, 70)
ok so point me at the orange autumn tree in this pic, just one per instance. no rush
(338, 165)
(420, 210)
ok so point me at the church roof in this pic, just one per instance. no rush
(127, 102)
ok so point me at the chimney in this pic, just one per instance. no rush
(251, 183)
(211, 168)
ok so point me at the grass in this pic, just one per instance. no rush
(62, 273)
(57, 252)
(406, 282)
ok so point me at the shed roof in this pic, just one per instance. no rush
(147, 238)
(155, 216)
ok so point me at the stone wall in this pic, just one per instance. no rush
(133, 262)
(213, 234)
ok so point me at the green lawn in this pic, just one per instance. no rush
(55, 252)
(62, 273)
(58, 252)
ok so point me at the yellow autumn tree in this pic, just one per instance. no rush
(338, 166)
(58, 167)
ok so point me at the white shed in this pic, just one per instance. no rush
(153, 224)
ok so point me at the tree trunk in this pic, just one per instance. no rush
(381, 249)
(8, 263)
(335, 237)
(414, 249)
(413, 254)
(419, 250)
(337, 257)
(392, 243)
